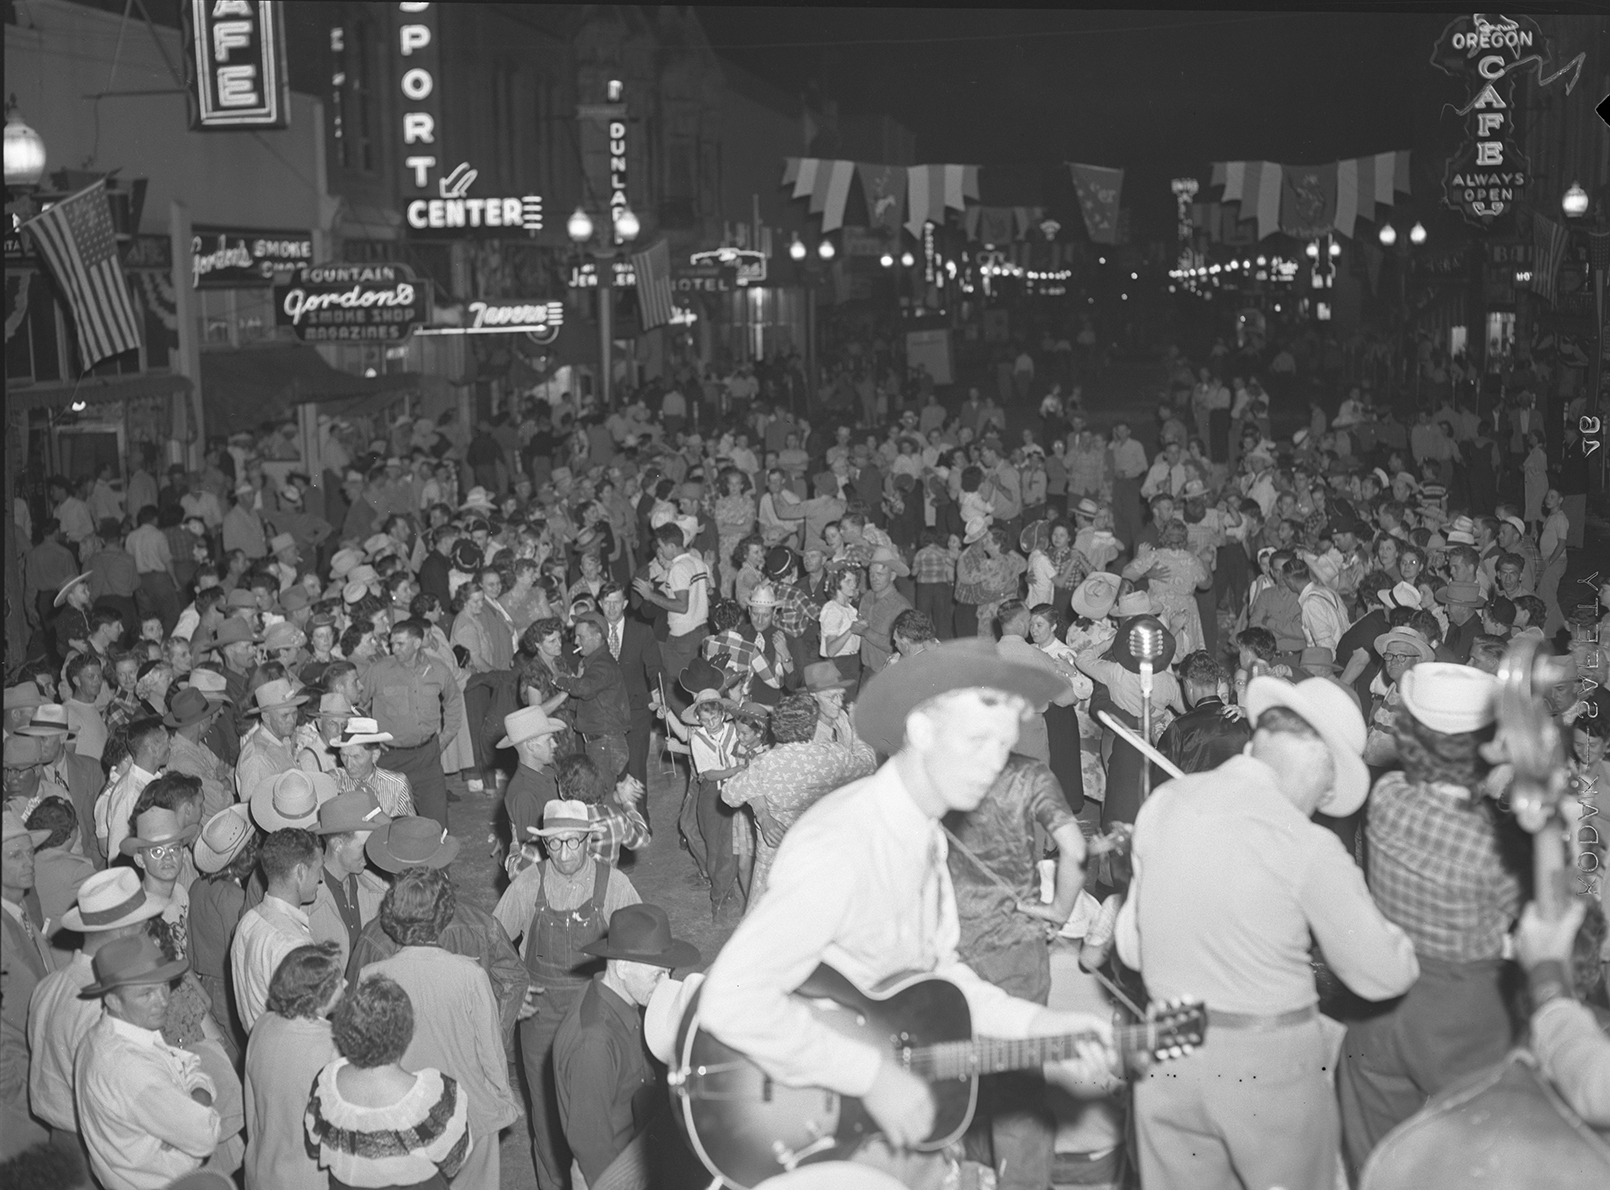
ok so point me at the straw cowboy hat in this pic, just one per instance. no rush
(344, 561)
(411, 842)
(880, 713)
(1329, 709)
(1094, 598)
(50, 718)
(154, 827)
(704, 698)
(214, 685)
(885, 556)
(527, 724)
(131, 962)
(1407, 639)
(477, 501)
(1087, 507)
(642, 934)
(66, 588)
(359, 730)
(1461, 594)
(108, 900)
(763, 597)
(275, 696)
(223, 837)
(284, 635)
(824, 675)
(1134, 603)
(976, 528)
(1448, 698)
(291, 798)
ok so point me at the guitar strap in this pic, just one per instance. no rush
(1116, 992)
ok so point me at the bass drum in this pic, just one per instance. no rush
(1504, 1127)
(833, 1175)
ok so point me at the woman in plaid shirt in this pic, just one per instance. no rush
(1440, 866)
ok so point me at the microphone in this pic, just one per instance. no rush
(1146, 645)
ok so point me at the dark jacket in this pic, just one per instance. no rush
(599, 695)
(1202, 739)
(640, 663)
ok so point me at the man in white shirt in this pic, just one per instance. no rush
(292, 866)
(153, 561)
(1167, 474)
(860, 882)
(145, 1108)
(684, 593)
(269, 748)
(1324, 618)
(111, 904)
(1128, 467)
(149, 748)
(77, 523)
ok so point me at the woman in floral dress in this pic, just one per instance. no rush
(1174, 576)
(735, 513)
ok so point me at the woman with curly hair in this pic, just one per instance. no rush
(735, 511)
(456, 1024)
(1442, 868)
(373, 1122)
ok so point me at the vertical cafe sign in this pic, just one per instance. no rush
(419, 108)
(1487, 176)
(236, 63)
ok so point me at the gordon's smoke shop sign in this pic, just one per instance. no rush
(380, 303)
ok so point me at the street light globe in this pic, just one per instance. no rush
(1417, 234)
(579, 226)
(626, 226)
(1312, 249)
(1335, 248)
(796, 250)
(1573, 203)
(1388, 235)
(25, 152)
(907, 259)
(825, 249)
(886, 260)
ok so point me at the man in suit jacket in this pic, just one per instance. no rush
(632, 642)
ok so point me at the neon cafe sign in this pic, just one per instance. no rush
(538, 321)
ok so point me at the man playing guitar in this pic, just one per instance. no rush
(860, 883)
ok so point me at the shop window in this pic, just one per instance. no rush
(234, 317)
(1500, 336)
(33, 340)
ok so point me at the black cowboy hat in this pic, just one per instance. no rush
(880, 715)
(642, 934)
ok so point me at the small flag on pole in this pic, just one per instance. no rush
(77, 240)
(653, 269)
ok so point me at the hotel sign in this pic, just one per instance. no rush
(352, 303)
(236, 62)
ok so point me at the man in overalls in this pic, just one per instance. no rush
(553, 910)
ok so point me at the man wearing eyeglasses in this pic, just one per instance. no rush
(554, 909)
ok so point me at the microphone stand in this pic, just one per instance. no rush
(1145, 726)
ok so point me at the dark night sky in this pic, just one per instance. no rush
(1157, 92)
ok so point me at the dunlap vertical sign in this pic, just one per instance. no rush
(236, 62)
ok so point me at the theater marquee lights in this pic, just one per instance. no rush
(236, 63)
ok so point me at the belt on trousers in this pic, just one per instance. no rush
(1260, 1022)
(410, 747)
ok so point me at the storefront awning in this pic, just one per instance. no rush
(250, 385)
(95, 389)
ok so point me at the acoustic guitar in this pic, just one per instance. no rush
(746, 1127)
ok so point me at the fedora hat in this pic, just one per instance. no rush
(13, 826)
(880, 713)
(108, 899)
(1402, 594)
(642, 934)
(128, 962)
(22, 696)
(291, 798)
(50, 718)
(1094, 598)
(411, 842)
(1121, 652)
(359, 730)
(976, 528)
(1406, 638)
(1134, 603)
(154, 827)
(66, 588)
(1461, 594)
(335, 705)
(284, 635)
(222, 837)
(214, 685)
(1194, 489)
(824, 675)
(1331, 711)
(344, 561)
(707, 697)
(275, 695)
(563, 816)
(466, 556)
(294, 599)
(189, 706)
(476, 501)
(233, 631)
(379, 543)
(525, 724)
(241, 599)
(1086, 507)
(281, 541)
(885, 555)
(1449, 698)
(363, 573)
(355, 811)
(1317, 658)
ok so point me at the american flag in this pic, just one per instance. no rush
(1549, 242)
(653, 269)
(76, 239)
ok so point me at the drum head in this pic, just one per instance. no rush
(833, 1175)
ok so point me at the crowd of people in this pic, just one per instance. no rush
(234, 943)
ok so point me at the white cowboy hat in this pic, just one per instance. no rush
(359, 730)
(291, 798)
(1327, 707)
(1449, 698)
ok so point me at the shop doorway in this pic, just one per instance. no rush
(82, 450)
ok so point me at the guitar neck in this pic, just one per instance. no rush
(992, 1055)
